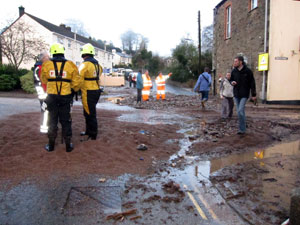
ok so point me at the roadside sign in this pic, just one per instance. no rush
(263, 62)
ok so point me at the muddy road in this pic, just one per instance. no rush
(196, 169)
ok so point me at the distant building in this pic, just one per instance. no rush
(121, 58)
(239, 29)
(168, 61)
(63, 35)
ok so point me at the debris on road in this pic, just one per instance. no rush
(135, 218)
(128, 205)
(118, 216)
(102, 180)
(142, 147)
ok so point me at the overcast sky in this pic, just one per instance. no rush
(163, 22)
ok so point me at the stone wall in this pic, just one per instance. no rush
(247, 37)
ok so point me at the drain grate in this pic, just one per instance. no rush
(93, 200)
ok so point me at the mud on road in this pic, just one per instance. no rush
(151, 186)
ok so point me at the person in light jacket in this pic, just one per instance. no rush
(226, 94)
(203, 85)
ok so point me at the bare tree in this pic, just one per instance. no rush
(20, 43)
(129, 39)
(133, 42)
(143, 42)
(207, 39)
(77, 27)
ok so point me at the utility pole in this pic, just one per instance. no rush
(199, 34)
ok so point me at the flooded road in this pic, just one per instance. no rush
(175, 181)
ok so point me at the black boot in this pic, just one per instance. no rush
(50, 146)
(93, 137)
(69, 145)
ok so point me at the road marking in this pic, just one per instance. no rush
(197, 206)
(214, 216)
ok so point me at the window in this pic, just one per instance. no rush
(228, 22)
(69, 43)
(253, 4)
(60, 40)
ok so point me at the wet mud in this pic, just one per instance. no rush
(114, 153)
(191, 153)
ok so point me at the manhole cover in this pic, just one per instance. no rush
(93, 200)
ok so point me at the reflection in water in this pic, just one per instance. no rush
(112, 106)
(291, 148)
(116, 100)
(202, 169)
(153, 117)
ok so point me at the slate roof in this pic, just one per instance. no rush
(123, 55)
(63, 31)
(220, 4)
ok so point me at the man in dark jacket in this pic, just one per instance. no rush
(243, 81)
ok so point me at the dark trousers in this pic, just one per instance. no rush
(204, 96)
(91, 124)
(59, 109)
(139, 95)
(227, 107)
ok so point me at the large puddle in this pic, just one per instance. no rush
(153, 117)
(200, 170)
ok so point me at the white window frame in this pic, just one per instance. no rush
(228, 22)
(253, 4)
(60, 40)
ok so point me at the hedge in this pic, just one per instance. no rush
(27, 82)
(7, 82)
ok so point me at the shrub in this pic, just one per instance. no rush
(27, 82)
(22, 72)
(7, 82)
(7, 69)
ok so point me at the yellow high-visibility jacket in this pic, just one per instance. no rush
(70, 77)
(90, 71)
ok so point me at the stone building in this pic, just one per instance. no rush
(239, 29)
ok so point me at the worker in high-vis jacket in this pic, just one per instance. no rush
(61, 77)
(147, 85)
(90, 70)
(161, 85)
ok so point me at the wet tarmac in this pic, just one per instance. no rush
(185, 189)
(11, 106)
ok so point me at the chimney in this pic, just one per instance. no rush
(68, 28)
(21, 11)
(62, 25)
